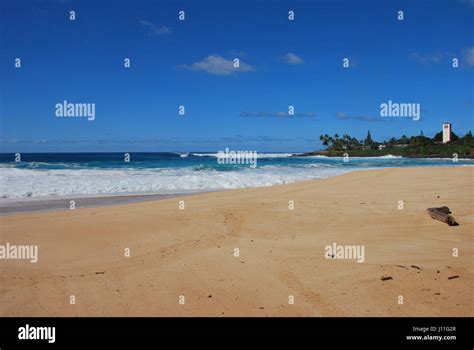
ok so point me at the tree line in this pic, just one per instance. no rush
(347, 142)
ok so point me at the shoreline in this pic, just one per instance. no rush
(191, 252)
(59, 204)
(51, 204)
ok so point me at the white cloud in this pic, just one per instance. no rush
(440, 57)
(469, 56)
(277, 115)
(433, 58)
(291, 58)
(218, 65)
(363, 118)
(468, 2)
(154, 30)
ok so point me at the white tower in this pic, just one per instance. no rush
(446, 132)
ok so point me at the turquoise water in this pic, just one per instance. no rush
(90, 174)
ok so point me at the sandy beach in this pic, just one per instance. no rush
(191, 252)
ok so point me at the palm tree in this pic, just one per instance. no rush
(324, 139)
(346, 140)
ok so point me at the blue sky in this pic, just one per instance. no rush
(189, 63)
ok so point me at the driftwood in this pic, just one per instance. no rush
(442, 214)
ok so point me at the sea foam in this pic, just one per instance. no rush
(25, 183)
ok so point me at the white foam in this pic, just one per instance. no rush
(259, 155)
(317, 156)
(389, 156)
(32, 183)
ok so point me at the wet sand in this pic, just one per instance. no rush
(64, 203)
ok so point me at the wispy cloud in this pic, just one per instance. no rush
(293, 59)
(469, 56)
(254, 139)
(218, 65)
(466, 54)
(153, 141)
(468, 2)
(364, 118)
(277, 115)
(432, 58)
(154, 30)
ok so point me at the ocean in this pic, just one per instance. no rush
(56, 175)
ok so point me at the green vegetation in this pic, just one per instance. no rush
(414, 146)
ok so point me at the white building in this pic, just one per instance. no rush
(446, 132)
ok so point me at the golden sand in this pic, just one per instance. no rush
(192, 253)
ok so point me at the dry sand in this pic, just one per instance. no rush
(190, 252)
